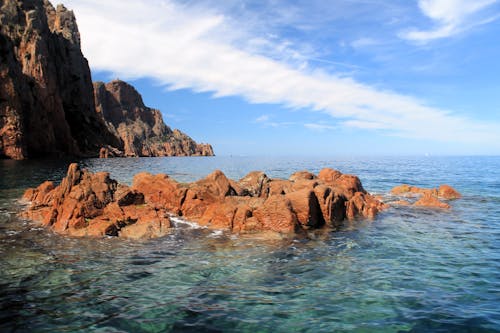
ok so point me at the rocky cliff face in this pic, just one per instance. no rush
(47, 104)
(46, 96)
(140, 128)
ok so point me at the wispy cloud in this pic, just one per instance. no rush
(184, 47)
(266, 121)
(364, 42)
(319, 127)
(450, 17)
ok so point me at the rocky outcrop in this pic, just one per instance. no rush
(426, 197)
(141, 129)
(87, 204)
(46, 96)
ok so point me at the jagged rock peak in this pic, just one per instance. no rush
(62, 21)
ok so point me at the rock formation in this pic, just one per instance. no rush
(140, 128)
(47, 104)
(87, 204)
(46, 96)
(426, 197)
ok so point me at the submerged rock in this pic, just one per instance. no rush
(87, 204)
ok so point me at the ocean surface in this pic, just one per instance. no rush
(409, 270)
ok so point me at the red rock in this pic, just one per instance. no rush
(201, 194)
(448, 192)
(328, 175)
(279, 187)
(408, 190)
(86, 204)
(46, 95)
(160, 191)
(333, 205)
(306, 207)
(363, 205)
(302, 175)
(104, 152)
(141, 129)
(255, 184)
(49, 106)
(429, 200)
(276, 214)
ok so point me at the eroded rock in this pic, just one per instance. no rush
(87, 204)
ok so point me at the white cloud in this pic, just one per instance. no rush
(262, 119)
(319, 127)
(364, 42)
(186, 48)
(451, 17)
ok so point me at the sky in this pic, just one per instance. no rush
(308, 77)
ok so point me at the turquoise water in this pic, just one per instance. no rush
(410, 270)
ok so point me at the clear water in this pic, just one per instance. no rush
(410, 270)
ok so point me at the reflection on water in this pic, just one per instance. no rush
(411, 270)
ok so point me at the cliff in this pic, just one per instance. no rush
(47, 105)
(46, 96)
(140, 128)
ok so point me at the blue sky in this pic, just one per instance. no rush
(308, 77)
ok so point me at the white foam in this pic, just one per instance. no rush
(178, 221)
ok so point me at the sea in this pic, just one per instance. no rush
(408, 270)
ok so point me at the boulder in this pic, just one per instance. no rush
(431, 201)
(255, 184)
(448, 192)
(306, 207)
(276, 214)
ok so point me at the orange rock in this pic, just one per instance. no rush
(363, 205)
(448, 192)
(104, 152)
(302, 175)
(160, 191)
(401, 189)
(306, 207)
(276, 214)
(279, 187)
(255, 184)
(429, 200)
(328, 175)
(333, 205)
(408, 190)
(87, 204)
